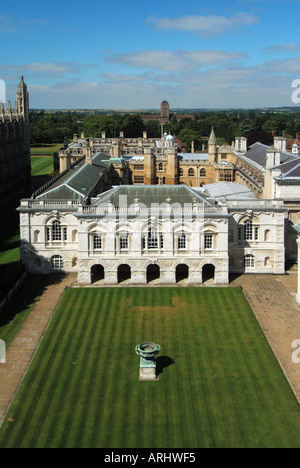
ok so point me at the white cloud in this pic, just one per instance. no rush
(204, 25)
(282, 48)
(158, 59)
(6, 24)
(177, 61)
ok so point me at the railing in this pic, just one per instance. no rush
(142, 209)
(50, 204)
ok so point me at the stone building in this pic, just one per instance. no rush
(139, 233)
(15, 167)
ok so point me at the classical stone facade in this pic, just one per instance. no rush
(165, 233)
(15, 167)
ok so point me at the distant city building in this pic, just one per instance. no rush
(15, 166)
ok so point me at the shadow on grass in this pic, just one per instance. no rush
(162, 362)
(18, 308)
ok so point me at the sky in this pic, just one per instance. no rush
(133, 55)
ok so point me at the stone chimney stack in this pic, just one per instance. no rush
(272, 158)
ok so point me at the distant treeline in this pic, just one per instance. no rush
(52, 127)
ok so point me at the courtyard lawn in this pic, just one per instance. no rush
(225, 388)
(41, 165)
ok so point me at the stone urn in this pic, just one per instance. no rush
(147, 352)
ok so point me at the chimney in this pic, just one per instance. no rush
(88, 157)
(272, 158)
(280, 143)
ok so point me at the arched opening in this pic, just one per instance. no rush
(182, 272)
(124, 273)
(153, 273)
(208, 273)
(97, 273)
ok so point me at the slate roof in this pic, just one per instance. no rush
(290, 169)
(257, 154)
(150, 194)
(76, 183)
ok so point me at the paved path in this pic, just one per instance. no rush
(272, 299)
(23, 347)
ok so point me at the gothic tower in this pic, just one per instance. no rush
(22, 101)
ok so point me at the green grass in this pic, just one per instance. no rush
(41, 165)
(47, 149)
(18, 308)
(225, 388)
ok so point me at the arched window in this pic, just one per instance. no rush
(181, 172)
(191, 172)
(56, 232)
(248, 234)
(56, 262)
(152, 238)
(160, 166)
(202, 173)
(248, 231)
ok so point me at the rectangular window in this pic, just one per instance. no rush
(138, 179)
(249, 261)
(181, 242)
(56, 232)
(208, 241)
(248, 230)
(161, 241)
(97, 242)
(123, 242)
(152, 239)
(256, 233)
(65, 233)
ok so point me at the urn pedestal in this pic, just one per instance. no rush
(147, 352)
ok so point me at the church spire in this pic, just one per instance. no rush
(212, 139)
(212, 147)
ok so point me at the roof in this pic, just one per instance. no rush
(78, 181)
(290, 169)
(230, 190)
(193, 156)
(151, 194)
(257, 154)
